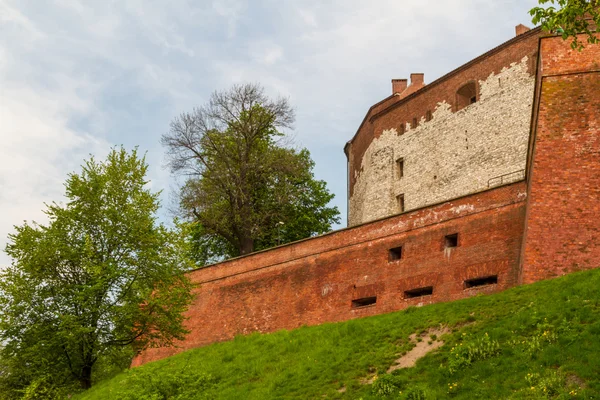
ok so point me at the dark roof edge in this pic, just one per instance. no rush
(445, 77)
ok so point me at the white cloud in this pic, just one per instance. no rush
(77, 76)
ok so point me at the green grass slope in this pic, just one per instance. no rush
(531, 342)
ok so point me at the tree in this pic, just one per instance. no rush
(570, 19)
(245, 189)
(101, 278)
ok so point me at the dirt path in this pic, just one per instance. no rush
(422, 347)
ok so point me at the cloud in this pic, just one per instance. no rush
(77, 77)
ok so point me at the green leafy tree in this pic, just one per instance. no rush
(100, 280)
(246, 188)
(572, 17)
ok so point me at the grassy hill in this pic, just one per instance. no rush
(531, 342)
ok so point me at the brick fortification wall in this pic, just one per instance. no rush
(454, 148)
(522, 232)
(317, 280)
(563, 225)
(453, 154)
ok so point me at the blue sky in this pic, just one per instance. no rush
(77, 77)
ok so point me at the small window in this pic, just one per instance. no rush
(364, 302)
(466, 95)
(402, 129)
(420, 292)
(395, 254)
(400, 167)
(487, 280)
(451, 240)
(428, 116)
(400, 202)
(415, 123)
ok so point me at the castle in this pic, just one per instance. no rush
(485, 179)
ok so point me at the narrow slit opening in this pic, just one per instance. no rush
(395, 253)
(483, 281)
(364, 302)
(420, 292)
(451, 240)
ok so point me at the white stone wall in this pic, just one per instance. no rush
(452, 155)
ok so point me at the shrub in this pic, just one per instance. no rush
(387, 384)
(464, 354)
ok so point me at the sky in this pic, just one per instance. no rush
(79, 77)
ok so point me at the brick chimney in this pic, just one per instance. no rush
(402, 89)
(417, 80)
(399, 85)
(521, 29)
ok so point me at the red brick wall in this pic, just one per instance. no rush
(315, 281)
(391, 113)
(563, 224)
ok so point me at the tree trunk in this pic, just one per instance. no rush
(246, 246)
(86, 377)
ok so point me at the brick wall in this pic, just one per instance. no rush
(563, 224)
(452, 154)
(316, 280)
(457, 152)
(521, 232)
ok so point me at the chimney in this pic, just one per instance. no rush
(521, 29)
(399, 85)
(417, 80)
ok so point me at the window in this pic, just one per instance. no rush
(451, 240)
(395, 254)
(420, 292)
(487, 280)
(415, 123)
(428, 116)
(402, 129)
(400, 202)
(364, 302)
(400, 167)
(466, 95)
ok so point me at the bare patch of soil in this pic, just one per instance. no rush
(426, 345)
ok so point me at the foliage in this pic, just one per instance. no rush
(388, 384)
(571, 18)
(98, 281)
(466, 353)
(175, 385)
(245, 188)
(311, 362)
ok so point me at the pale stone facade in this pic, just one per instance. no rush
(453, 154)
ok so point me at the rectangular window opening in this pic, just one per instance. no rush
(428, 116)
(415, 123)
(400, 167)
(364, 302)
(484, 281)
(451, 240)
(395, 254)
(402, 129)
(400, 201)
(420, 292)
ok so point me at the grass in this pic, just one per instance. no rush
(531, 342)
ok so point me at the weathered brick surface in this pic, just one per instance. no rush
(391, 112)
(315, 281)
(453, 154)
(563, 225)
